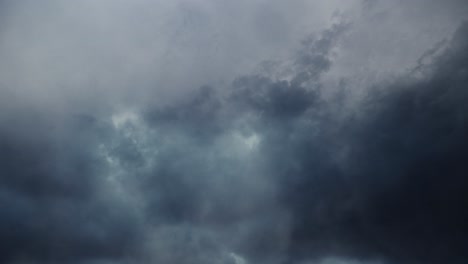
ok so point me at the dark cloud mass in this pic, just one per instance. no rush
(351, 149)
(400, 190)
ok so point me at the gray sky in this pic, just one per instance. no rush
(233, 132)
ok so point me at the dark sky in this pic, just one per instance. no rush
(233, 132)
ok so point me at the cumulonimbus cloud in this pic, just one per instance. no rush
(272, 168)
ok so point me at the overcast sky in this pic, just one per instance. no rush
(233, 132)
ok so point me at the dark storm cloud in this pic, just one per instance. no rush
(212, 171)
(386, 182)
(50, 210)
(272, 169)
(400, 192)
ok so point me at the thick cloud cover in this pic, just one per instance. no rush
(348, 148)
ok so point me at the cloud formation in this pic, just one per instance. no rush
(309, 159)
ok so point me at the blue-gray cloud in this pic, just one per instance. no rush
(285, 165)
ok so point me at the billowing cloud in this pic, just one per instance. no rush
(346, 145)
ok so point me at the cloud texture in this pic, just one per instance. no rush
(145, 132)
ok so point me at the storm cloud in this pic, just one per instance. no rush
(247, 132)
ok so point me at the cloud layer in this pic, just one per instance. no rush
(349, 147)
